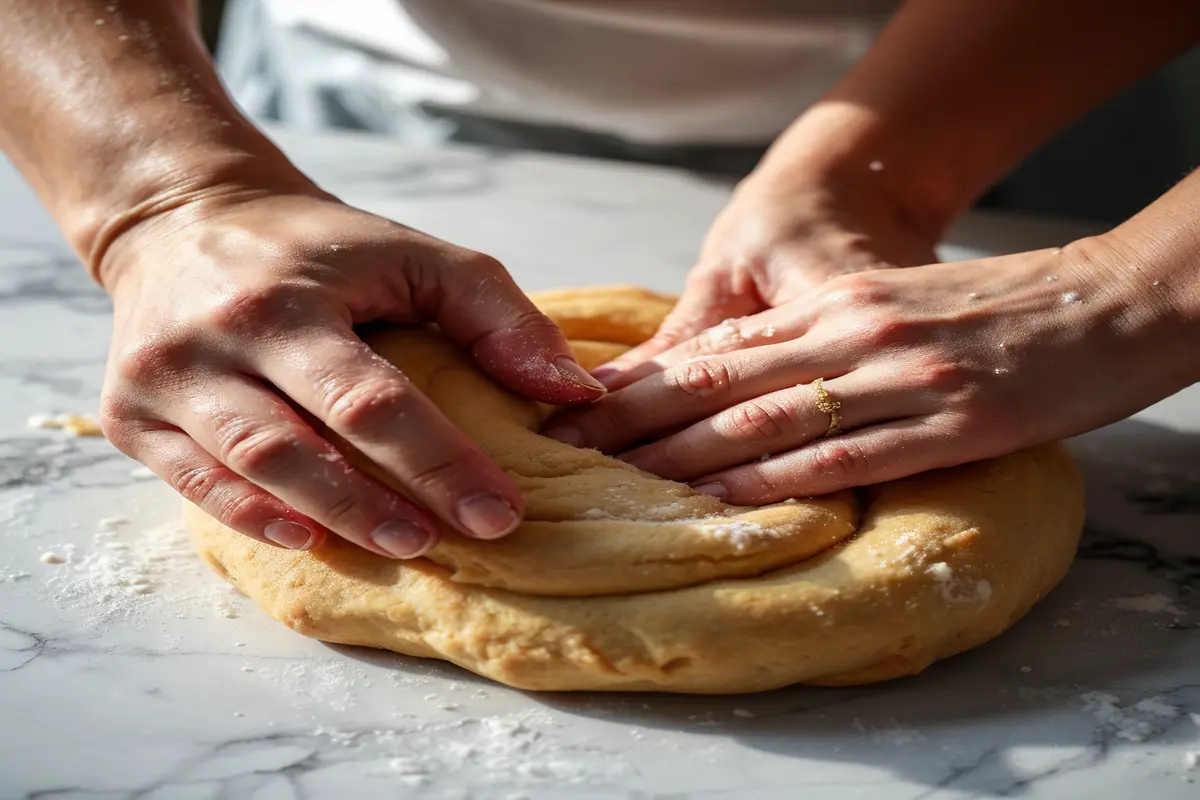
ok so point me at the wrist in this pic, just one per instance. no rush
(857, 153)
(1151, 296)
(169, 188)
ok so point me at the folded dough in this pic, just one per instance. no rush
(619, 580)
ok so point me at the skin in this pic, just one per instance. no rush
(237, 283)
(939, 364)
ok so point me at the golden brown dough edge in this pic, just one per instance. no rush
(931, 574)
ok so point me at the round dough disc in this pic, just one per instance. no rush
(619, 580)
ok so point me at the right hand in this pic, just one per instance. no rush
(229, 312)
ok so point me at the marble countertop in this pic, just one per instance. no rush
(131, 671)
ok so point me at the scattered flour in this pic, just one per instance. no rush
(51, 557)
(318, 682)
(958, 590)
(890, 733)
(16, 505)
(141, 473)
(528, 749)
(123, 573)
(10, 575)
(740, 534)
(664, 511)
(1147, 604)
(940, 572)
(1135, 723)
(1070, 297)
(1191, 759)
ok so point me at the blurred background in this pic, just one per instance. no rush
(1105, 167)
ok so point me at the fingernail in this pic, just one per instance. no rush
(566, 435)
(402, 539)
(716, 490)
(286, 533)
(605, 374)
(487, 516)
(571, 368)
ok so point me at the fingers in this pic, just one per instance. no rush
(775, 422)
(219, 491)
(259, 437)
(478, 304)
(703, 305)
(862, 457)
(370, 403)
(687, 393)
(773, 326)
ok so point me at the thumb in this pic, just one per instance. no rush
(480, 306)
(704, 303)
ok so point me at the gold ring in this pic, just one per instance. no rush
(828, 404)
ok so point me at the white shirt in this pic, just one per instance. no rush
(649, 71)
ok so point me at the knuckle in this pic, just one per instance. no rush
(197, 483)
(938, 375)
(341, 513)
(841, 460)
(250, 308)
(751, 483)
(875, 330)
(256, 449)
(442, 477)
(353, 407)
(477, 262)
(887, 329)
(855, 290)
(150, 360)
(532, 321)
(117, 422)
(237, 509)
(699, 378)
(758, 420)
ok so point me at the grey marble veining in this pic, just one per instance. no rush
(131, 672)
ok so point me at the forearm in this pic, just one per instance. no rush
(955, 93)
(1160, 250)
(113, 110)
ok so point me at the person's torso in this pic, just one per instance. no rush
(653, 71)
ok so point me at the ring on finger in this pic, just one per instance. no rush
(828, 404)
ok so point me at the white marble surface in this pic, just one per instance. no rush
(186, 691)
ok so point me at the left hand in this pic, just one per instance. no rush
(780, 236)
(933, 366)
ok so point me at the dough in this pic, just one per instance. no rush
(619, 580)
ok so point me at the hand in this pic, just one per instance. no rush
(778, 239)
(231, 313)
(934, 366)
